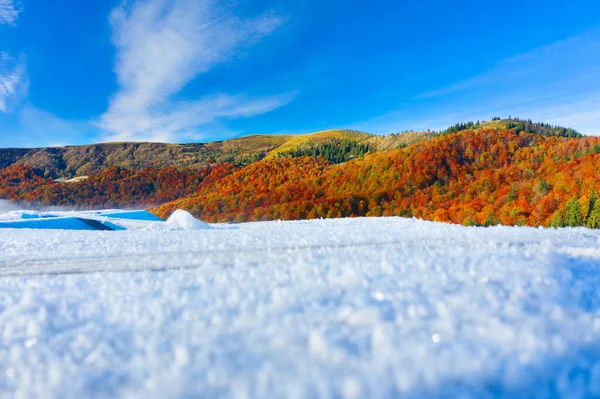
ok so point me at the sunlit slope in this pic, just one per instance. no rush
(306, 140)
(478, 177)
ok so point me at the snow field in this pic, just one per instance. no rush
(379, 307)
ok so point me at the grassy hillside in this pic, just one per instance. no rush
(303, 141)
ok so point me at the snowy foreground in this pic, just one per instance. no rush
(380, 307)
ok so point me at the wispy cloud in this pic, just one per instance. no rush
(556, 66)
(179, 120)
(9, 11)
(12, 72)
(558, 83)
(12, 80)
(161, 46)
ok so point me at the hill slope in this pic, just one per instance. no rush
(113, 187)
(71, 161)
(318, 138)
(516, 125)
(478, 177)
(482, 176)
(335, 145)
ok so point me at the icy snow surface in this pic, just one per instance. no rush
(380, 307)
(110, 219)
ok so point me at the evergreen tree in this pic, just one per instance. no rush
(512, 195)
(558, 219)
(574, 217)
(544, 187)
(490, 220)
(468, 222)
(593, 220)
(591, 204)
(335, 151)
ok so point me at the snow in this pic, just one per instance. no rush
(183, 220)
(377, 307)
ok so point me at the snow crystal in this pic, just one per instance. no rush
(379, 307)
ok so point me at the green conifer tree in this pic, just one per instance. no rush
(512, 194)
(593, 220)
(468, 222)
(590, 205)
(558, 219)
(490, 220)
(574, 217)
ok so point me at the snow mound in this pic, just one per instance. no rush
(183, 220)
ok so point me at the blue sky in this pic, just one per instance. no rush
(75, 72)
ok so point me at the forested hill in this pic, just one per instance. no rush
(336, 146)
(474, 177)
(72, 161)
(515, 125)
(488, 174)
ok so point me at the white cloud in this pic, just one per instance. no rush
(12, 80)
(9, 11)
(180, 119)
(11, 72)
(161, 46)
(581, 112)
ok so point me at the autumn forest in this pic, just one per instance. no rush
(509, 172)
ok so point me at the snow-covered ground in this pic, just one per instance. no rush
(354, 308)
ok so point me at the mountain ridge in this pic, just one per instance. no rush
(485, 175)
(68, 162)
